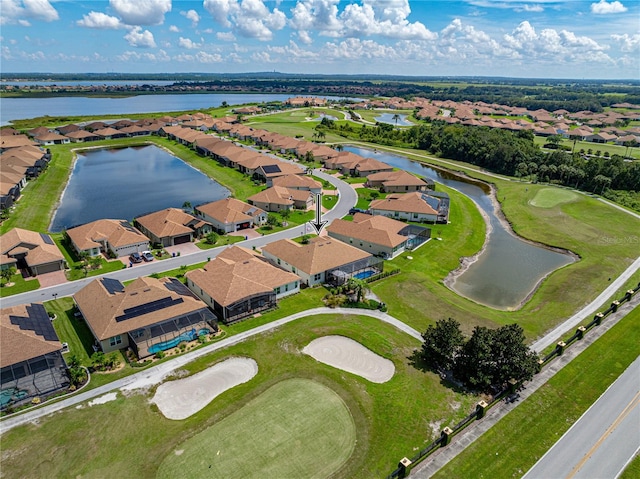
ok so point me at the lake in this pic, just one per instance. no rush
(509, 268)
(127, 182)
(388, 118)
(21, 108)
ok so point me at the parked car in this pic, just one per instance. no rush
(147, 256)
(135, 258)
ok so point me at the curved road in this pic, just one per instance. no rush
(347, 200)
(602, 440)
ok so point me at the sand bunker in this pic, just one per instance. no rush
(351, 356)
(181, 398)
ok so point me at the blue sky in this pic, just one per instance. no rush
(515, 38)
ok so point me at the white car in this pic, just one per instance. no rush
(147, 256)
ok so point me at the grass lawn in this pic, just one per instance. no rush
(290, 436)
(391, 419)
(222, 241)
(294, 218)
(75, 270)
(516, 442)
(550, 197)
(594, 147)
(632, 471)
(20, 285)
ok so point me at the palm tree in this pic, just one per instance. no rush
(359, 287)
(395, 118)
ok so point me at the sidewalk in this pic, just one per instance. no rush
(459, 443)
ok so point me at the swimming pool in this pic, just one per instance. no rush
(364, 274)
(9, 394)
(172, 343)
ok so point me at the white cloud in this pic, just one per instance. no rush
(139, 38)
(132, 56)
(191, 15)
(21, 11)
(248, 18)
(603, 7)
(100, 21)
(628, 43)
(316, 15)
(188, 43)
(141, 12)
(174, 29)
(203, 57)
(226, 36)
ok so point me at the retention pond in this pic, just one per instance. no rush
(509, 268)
(124, 183)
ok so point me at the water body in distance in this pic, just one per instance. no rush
(388, 118)
(128, 182)
(21, 108)
(509, 268)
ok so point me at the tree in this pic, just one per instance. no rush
(359, 287)
(511, 357)
(95, 262)
(186, 206)
(272, 220)
(211, 238)
(285, 213)
(442, 343)
(395, 118)
(603, 181)
(473, 366)
(84, 261)
(7, 273)
(308, 157)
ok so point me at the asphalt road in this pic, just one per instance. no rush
(602, 441)
(347, 200)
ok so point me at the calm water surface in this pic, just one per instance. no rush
(127, 182)
(388, 118)
(20, 108)
(509, 269)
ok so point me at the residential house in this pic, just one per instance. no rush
(366, 167)
(148, 315)
(277, 168)
(172, 226)
(30, 355)
(298, 182)
(83, 135)
(322, 260)
(34, 253)
(239, 283)
(416, 206)
(229, 215)
(116, 238)
(278, 198)
(399, 181)
(379, 235)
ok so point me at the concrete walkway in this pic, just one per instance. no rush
(156, 374)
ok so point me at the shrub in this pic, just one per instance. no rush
(159, 355)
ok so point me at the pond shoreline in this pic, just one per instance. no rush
(466, 261)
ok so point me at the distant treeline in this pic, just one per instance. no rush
(533, 94)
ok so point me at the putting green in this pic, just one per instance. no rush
(550, 197)
(297, 428)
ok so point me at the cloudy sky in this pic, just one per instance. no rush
(518, 38)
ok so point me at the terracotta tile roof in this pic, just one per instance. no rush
(21, 337)
(297, 181)
(236, 274)
(108, 131)
(41, 248)
(408, 202)
(15, 141)
(82, 134)
(373, 229)
(320, 255)
(117, 232)
(396, 178)
(280, 196)
(370, 164)
(105, 304)
(230, 210)
(168, 222)
(50, 137)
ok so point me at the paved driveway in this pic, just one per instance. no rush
(51, 279)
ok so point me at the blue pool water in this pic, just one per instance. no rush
(7, 394)
(172, 343)
(364, 274)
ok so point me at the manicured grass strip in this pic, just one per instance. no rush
(550, 197)
(71, 330)
(297, 428)
(20, 285)
(516, 442)
(632, 471)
